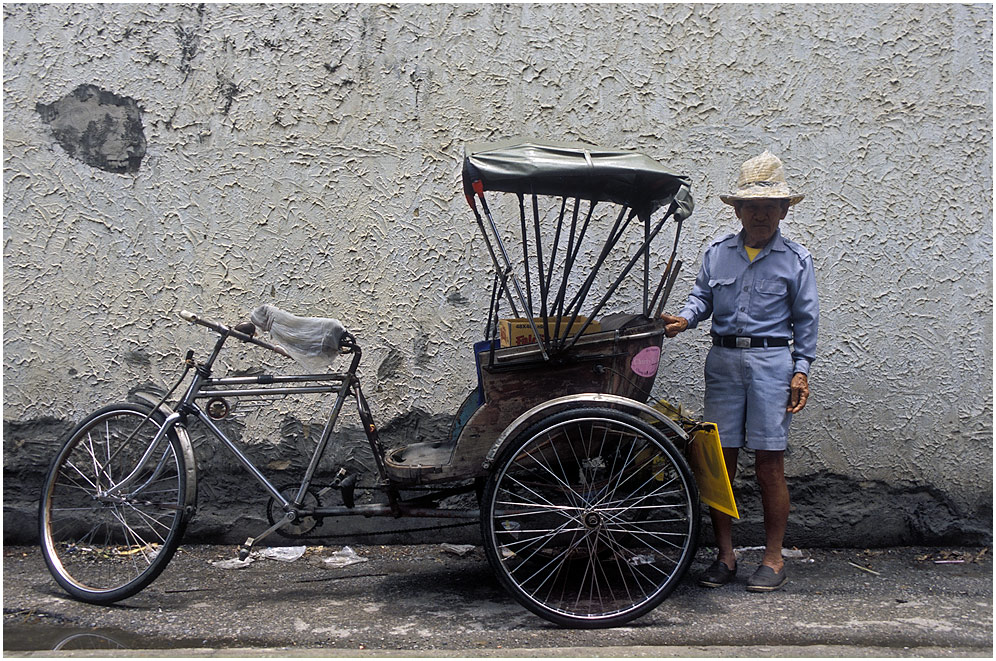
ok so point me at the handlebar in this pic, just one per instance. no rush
(193, 318)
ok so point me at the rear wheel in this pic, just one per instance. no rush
(590, 518)
(103, 546)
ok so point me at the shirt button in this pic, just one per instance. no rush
(746, 288)
(742, 309)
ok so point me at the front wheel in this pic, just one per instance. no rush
(105, 545)
(590, 518)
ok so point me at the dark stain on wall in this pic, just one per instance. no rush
(456, 297)
(421, 349)
(98, 127)
(835, 510)
(137, 358)
(227, 90)
(391, 365)
(189, 41)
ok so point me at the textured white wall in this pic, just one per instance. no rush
(309, 156)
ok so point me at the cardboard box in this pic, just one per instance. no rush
(517, 332)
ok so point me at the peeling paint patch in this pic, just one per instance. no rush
(98, 127)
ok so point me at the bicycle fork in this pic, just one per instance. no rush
(105, 494)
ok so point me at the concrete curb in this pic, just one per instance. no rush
(638, 652)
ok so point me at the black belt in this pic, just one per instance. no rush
(742, 342)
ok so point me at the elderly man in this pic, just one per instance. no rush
(760, 290)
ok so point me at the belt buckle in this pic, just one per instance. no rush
(743, 342)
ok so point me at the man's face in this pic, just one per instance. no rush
(760, 219)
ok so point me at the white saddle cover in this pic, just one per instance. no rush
(311, 341)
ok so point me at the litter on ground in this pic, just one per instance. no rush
(457, 549)
(283, 553)
(233, 563)
(343, 558)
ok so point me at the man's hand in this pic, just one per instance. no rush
(799, 394)
(674, 325)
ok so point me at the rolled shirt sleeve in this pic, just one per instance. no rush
(699, 304)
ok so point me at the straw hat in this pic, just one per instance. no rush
(762, 177)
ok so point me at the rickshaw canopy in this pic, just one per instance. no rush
(540, 287)
(570, 169)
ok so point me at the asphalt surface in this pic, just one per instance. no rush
(426, 600)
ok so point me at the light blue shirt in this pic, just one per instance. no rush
(773, 296)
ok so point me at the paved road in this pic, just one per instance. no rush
(425, 601)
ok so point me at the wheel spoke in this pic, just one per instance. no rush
(619, 551)
(519, 483)
(93, 459)
(621, 571)
(85, 477)
(155, 526)
(559, 559)
(562, 478)
(652, 494)
(619, 474)
(568, 490)
(540, 542)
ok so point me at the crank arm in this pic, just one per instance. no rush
(247, 546)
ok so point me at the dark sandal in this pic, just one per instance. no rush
(766, 579)
(717, 575)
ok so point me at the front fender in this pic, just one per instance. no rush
(597, 400)
(186, 447)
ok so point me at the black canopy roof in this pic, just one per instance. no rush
(590, 172)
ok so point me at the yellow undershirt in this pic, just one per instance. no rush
(753, 252)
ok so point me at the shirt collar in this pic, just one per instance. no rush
(776, 243)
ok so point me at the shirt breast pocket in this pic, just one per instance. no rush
(724, 295)
(770, 300)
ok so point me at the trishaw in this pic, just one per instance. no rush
(588, 509)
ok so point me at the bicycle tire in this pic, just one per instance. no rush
(102, 548)
(590, 518)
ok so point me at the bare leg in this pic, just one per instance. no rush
(722, 524)
(770, 468)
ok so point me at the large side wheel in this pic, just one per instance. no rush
(590, 518)
(103, 546)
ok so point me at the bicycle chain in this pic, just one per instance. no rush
(386, 532)
(393, 531)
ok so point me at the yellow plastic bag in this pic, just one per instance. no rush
(706, 455)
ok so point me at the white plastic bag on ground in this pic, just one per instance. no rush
(283, 553)
(311, 341)
(343, 558)
(233, 563)
(457, 549)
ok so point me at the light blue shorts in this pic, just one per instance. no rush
(747, 392)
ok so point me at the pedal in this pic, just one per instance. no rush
(336, 481)
(347, 487)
